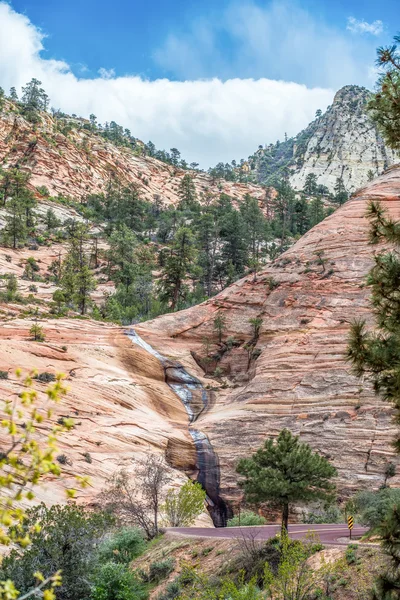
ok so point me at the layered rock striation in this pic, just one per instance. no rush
(80, 162)
(298, 376)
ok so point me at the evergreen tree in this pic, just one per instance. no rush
(220, 325)
(316, 211)
(15, 230)
(13, 95)
(384, 105)
(301, 219)
(310, 184)
(284, 472)
(341, 195)
(255, 225)
(283, 206)
(208, 230)
(34, 99)
(187, 193)
(77, 280)
(234, 251)
(19, 202)
(178, 266)
(377, 354)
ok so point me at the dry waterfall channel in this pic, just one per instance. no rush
(195, 399)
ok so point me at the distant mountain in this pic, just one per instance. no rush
(341, 143)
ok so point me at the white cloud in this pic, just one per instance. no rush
(208, 120)
(106, 73)
(279, 40)
(360, 26)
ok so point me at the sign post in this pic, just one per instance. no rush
(350, 523)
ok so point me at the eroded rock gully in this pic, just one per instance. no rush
(196, 399)
(301, 379)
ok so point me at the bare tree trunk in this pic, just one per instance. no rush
(285, 517)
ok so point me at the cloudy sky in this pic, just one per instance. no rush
(214, 79)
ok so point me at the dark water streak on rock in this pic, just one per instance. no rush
(196, 399)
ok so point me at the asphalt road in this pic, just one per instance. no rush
(331, 533)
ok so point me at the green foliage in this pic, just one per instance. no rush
(37, 333)
(183, 506)
(122, 546)
(294, 577)
(45, 377)
(373, 507)
(284, 472)
(76, 279)
(115, 581)
(187, 193)
(384, 105)
(3, 374)
(178, 267)
(172, 590)
(377, 353)
(331, 514)
(245, 519)
(160, 570)
(219, 325)
(65, 540)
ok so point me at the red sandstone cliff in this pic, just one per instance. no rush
(301, 379)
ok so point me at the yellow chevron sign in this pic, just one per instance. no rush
(350, 522)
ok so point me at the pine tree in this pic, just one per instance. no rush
(377, 354)
(13, 95)
(384, 105)
(255, 225)
(234, 250)
(77, 280)
(15, 230)
(187, 193)
(219, 325)
(310, 184)
(178, 266)
(208, 230)
(284, 472)
(341, 195)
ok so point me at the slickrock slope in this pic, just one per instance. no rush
(301, 379)
(81, 163)
(122, 408)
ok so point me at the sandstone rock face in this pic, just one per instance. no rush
(300, 379)
(121, 406)
(344, 143)
(83, 163)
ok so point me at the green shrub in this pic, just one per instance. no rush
(351, 555)
(67, 540)
(63, 459)
(172, 590)
(3, 374)
(330, 515)
(247, 517)
(372, 507)
(45, 377)
(123, 546)
(115, 581)
(87, 457)
(160, 570)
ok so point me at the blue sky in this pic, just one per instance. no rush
(214, 78)
(129, 36)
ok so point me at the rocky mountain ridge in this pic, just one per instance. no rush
(343, 143)
(79, 162)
